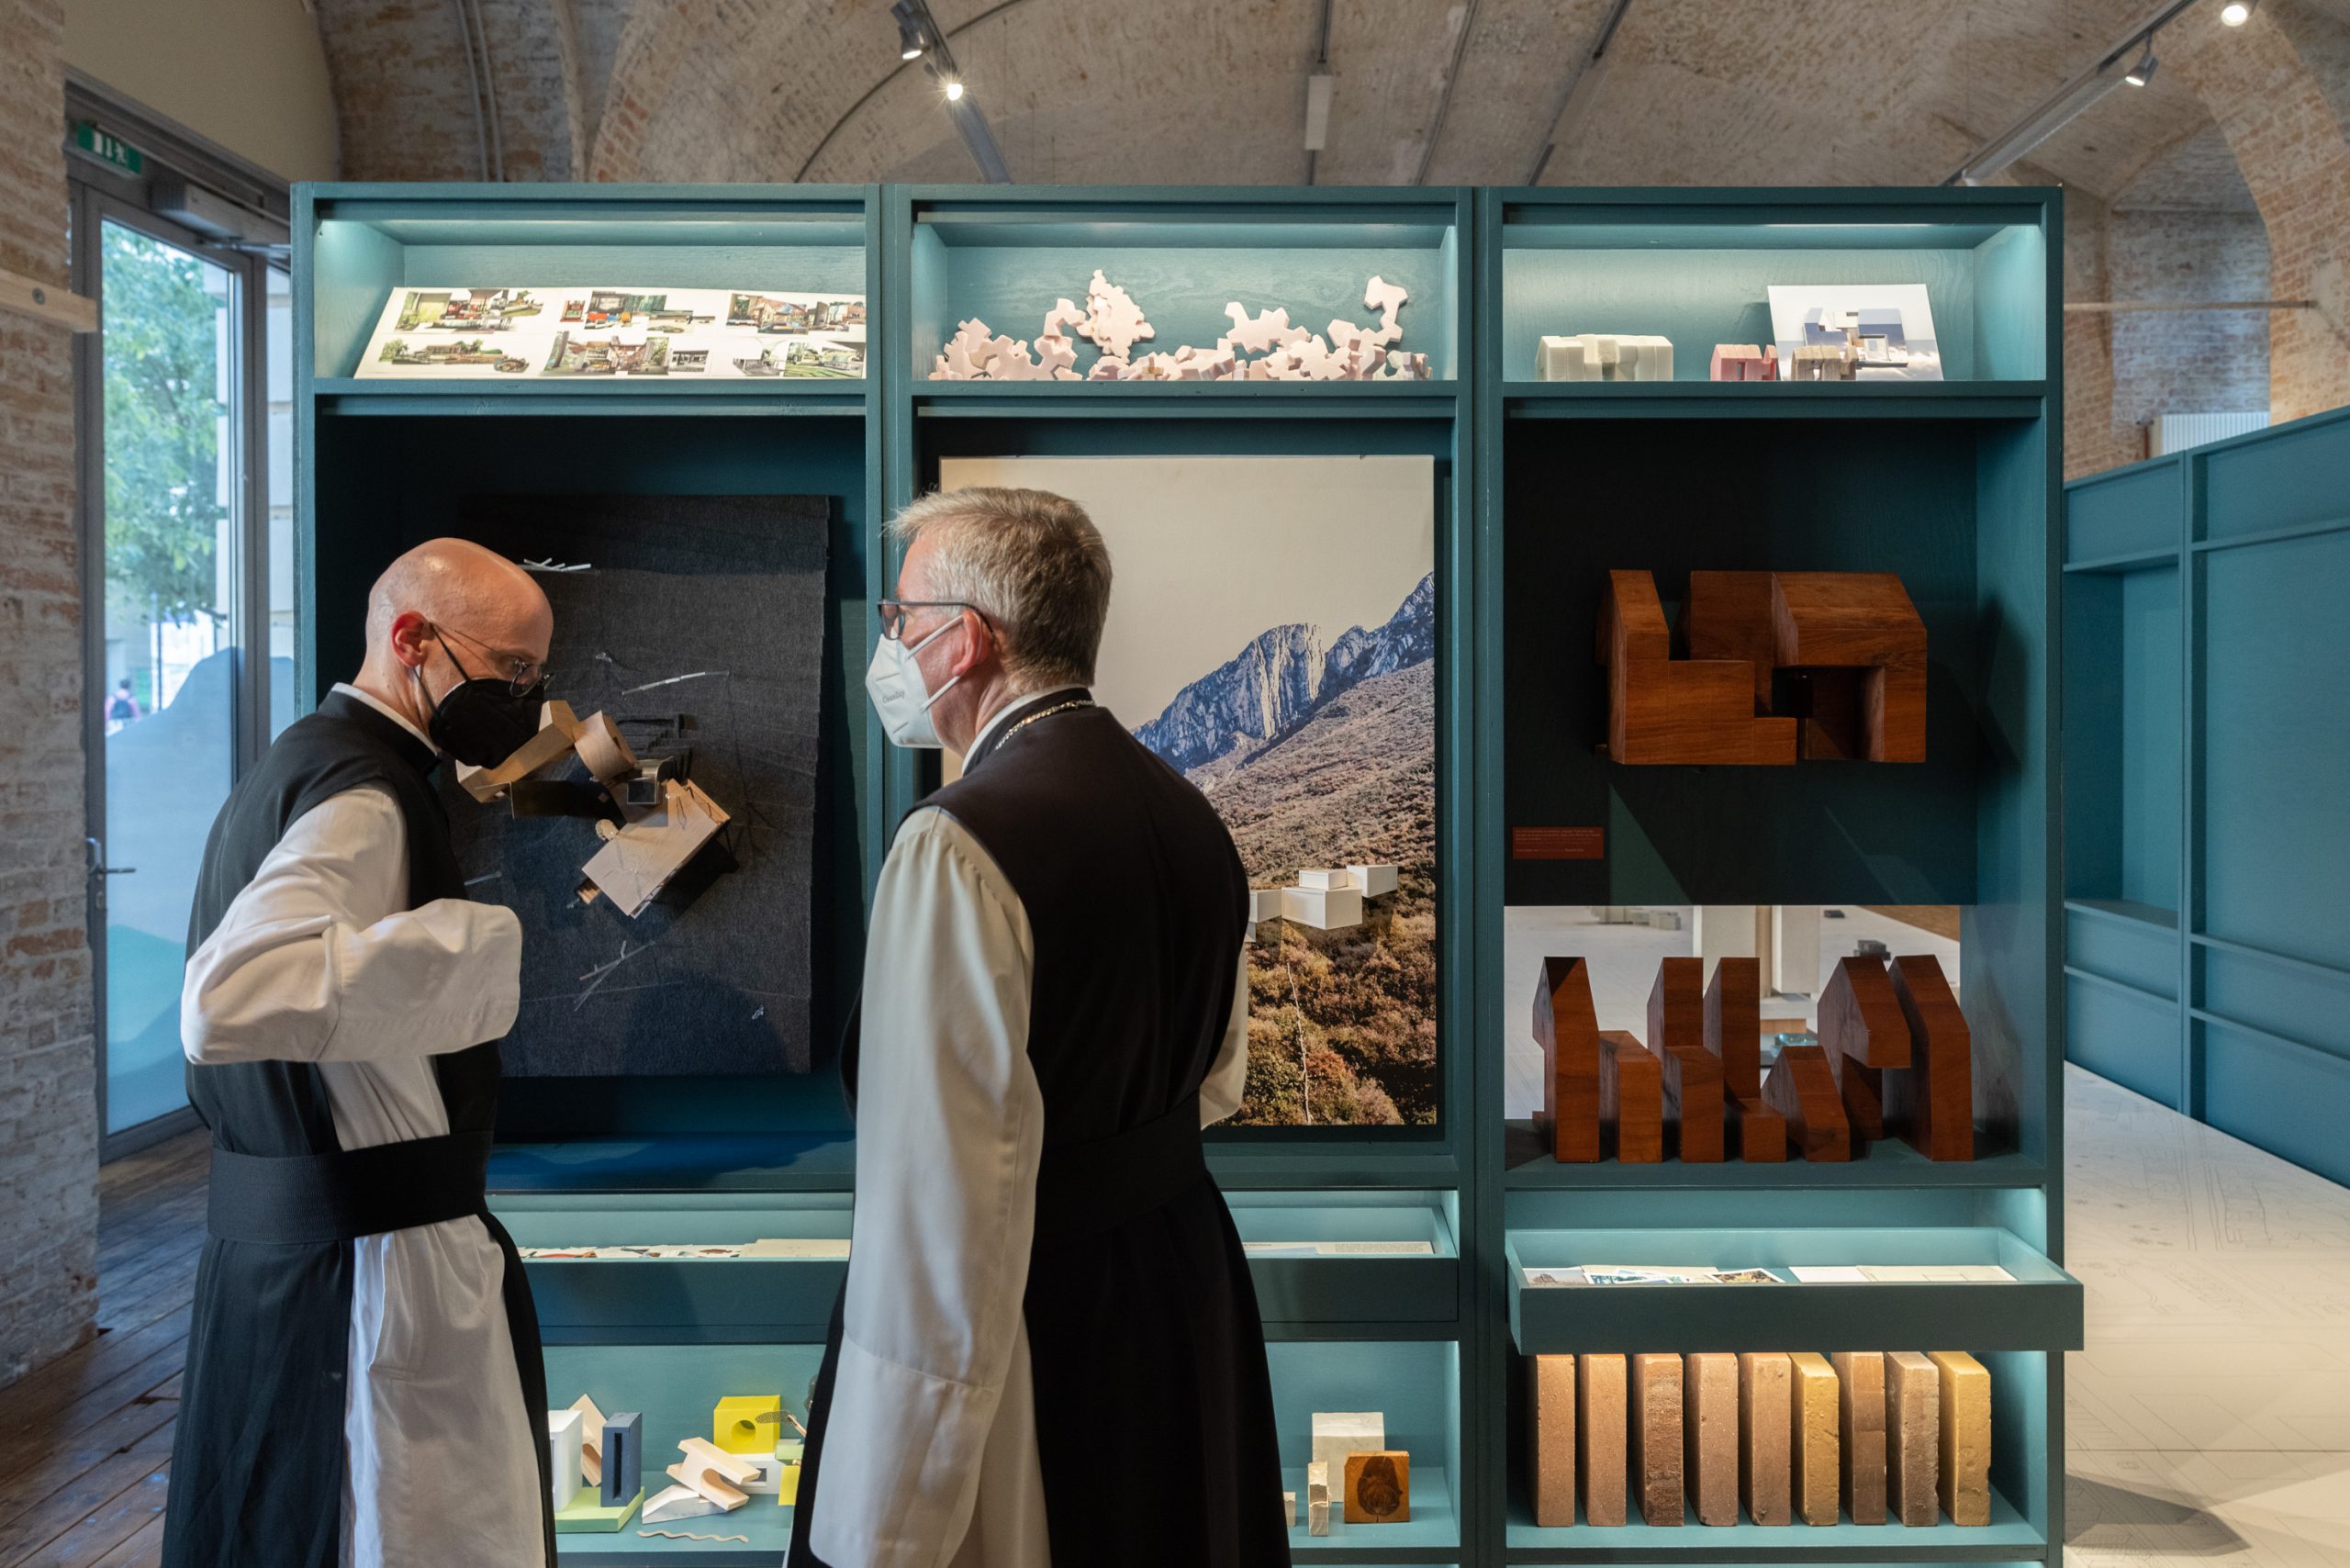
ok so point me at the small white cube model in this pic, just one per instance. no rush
(1372, 881)
(566, 1431)
(1323, 878)
(768, 1477)
(1607, 356)
(1336, 1435)
(1264, 903)
(1325, 909)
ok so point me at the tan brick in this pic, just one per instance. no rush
(1601, 1428)
(1965, 1448)
(1709, 1452)
(1657, 1438)
(1813, 1415)
(1765, 1412)
(1913, 1437)
(1859, 1377)
(1550, 1439)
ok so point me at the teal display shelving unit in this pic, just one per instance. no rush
(1537, 487)
(2206, 935)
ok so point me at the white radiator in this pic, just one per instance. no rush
(2177, 432)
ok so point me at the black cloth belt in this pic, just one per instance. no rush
(1085, 1189)
(310, 1198)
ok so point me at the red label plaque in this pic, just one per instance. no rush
(1558, 844)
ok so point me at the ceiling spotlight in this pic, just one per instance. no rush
(954, 91)
(2236, 13)
(910, 38)
(2143, 72)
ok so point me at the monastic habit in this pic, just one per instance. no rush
(1049, 1322)
(364, 1384)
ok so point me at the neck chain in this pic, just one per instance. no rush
(1072, 703)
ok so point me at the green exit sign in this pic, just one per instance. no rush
(108, 148)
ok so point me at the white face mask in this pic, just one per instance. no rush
(894, 683)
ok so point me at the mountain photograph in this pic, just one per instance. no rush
(1272, 638)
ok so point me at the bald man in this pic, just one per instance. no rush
(363, 1384)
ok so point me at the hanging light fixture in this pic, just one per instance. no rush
(910, 42)
(955, 92)
(2143, 72)
(2236, 13)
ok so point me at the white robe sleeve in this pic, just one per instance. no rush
(297, 970)
(1227, 1080)
(950, 1125)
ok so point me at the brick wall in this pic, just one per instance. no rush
(2189, 362)
(49, 1137)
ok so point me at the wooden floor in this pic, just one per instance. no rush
(86, 1443)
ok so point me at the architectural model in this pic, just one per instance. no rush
(1855, 331)
(1605, 356)
(1893, 1059)
(1745, 361)
(1780, 666)
(1260, 347)
(1324, 898)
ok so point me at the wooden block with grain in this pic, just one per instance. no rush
(1765, 1405)
(1802, 1089)
(1863, 1032)
(1550, 1439)
(1727, 616)
(1657, 1438)
(1693, 1104)
(1965, 1453)
(1662, 710)
(1632, 1098)
(1379, 1489)
(1815, 1476)
(1913, 1438)
(1678, 1004)
(1860, 621)
(1757, 1134)
(1859, 1396)
(1733, 1025)
(1709, 1453)
(1600, 1432)
(1566, 1025)
(1932, 1104)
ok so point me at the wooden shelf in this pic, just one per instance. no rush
(1776, 399)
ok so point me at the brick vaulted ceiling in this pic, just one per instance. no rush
(1768, 92)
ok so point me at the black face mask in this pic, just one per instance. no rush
(483, 723)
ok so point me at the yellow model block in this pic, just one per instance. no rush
(746, 1423)
(790, 1451)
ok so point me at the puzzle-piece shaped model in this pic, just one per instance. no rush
(1115, 321)
(1260, 334)
(1387, 299)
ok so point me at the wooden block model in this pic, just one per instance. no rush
(1913, 1440)
(1765, 1407)
(1566, 1025)
(715, 1473)
(1337, 1435)
(1379, 1489)
(747, 1423)
(1965, 1437)
(1758, 1133)
(1632, 1098)
(1727, 616)
(1734, 1024)
(1678, 1004)
(1693, 1104)
(1817, 1478)
(1600, 1416)
(1550, 1439)
(591, 1441)
(1658, 1438)
(566, 1434)
(1857, 620)
(1859, 1396)
(1934, 1103)
(1803, 1090)
(623, 1450)
(1709, 1453)
(1663, 710)
(1863, 1032)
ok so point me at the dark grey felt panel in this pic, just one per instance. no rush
(713, 977)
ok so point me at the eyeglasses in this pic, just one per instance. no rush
(894, 612)
(525, 677)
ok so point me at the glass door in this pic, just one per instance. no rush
(167, 509)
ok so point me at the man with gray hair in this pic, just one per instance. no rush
(1049, 1348)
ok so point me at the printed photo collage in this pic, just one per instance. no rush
(589, 333)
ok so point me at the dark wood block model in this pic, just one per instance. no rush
(1727, 616)
(1663, 710)
(1802, 1089)
(1678, 1004)
(1758, 1133)
(1863, 1032)
(1734, 1024)
(1566, 1025)
(1861, 622)
(1693, 1104)
(1934, 1103)
(1631, 1097)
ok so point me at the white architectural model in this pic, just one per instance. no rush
(1607, 356)
(1263, 347)
(566, 1432)
(1326, 898)
(1336, 1435)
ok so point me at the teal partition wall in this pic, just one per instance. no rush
(2206, 926)
(1538, 486)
